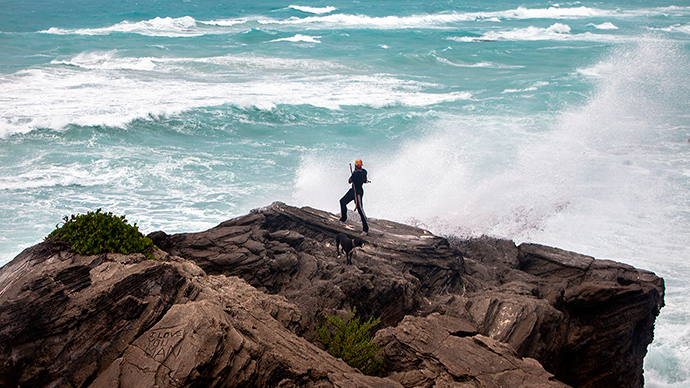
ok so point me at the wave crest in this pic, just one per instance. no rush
(98, 89)
(325, 18)
(314, 10)
(170, 27)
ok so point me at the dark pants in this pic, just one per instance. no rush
(347, 198)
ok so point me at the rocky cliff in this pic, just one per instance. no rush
(237, 306)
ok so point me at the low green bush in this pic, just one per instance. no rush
(352, 341)
(95, 233)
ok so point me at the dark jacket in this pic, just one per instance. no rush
(358, 177)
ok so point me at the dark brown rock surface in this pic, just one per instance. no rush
(137, 323)
(237, 305)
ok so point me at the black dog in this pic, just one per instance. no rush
(348, 245)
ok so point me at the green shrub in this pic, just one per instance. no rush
(352, 341)
(95, 232)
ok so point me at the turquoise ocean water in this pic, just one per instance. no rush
(561, 123)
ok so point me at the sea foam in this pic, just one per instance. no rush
(326, 18)
(314, 10)
(95, 89)
(299, 38)
(167, 26)
(555, 32)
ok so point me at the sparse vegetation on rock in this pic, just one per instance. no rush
(352, 341)
(96, 232)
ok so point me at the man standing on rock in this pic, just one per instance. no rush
(357, 179)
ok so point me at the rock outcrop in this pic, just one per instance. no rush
(121, 321)
(588, 321)
(238, 305)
